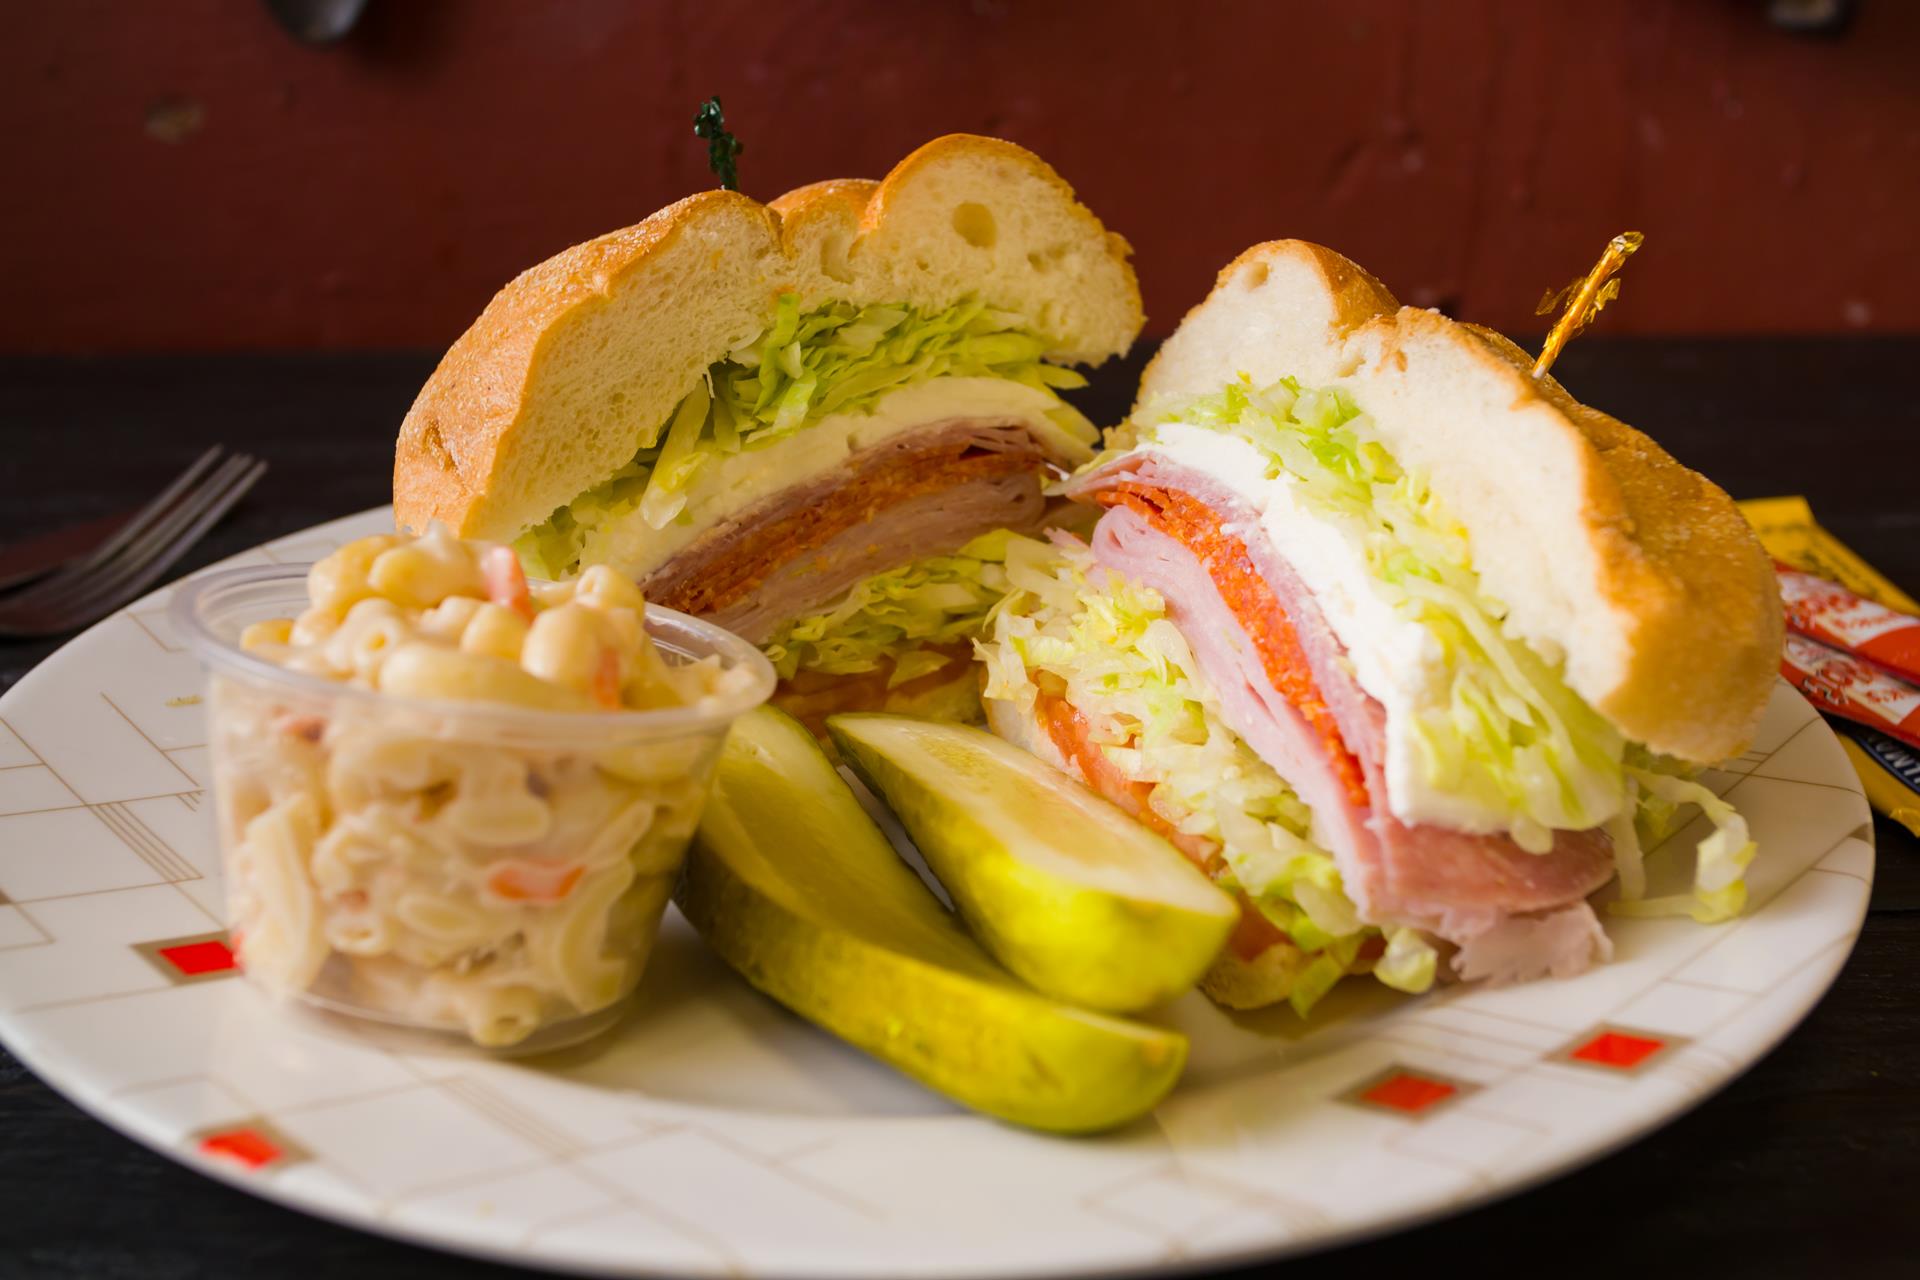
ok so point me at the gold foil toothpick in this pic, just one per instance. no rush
(1584, 298)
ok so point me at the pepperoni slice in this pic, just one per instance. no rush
(1196, 526)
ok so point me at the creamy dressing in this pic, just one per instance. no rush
(733, 482)
(1394, 658)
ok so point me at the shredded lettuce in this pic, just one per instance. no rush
(900, 616)
(1509, 737)
(1324, 968)
(1409, 962)
(1720, 860)
(1107, 647)
(837, 358)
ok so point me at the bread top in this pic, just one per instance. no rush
(1603, 547)
(549, 391)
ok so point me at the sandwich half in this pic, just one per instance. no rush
(1405, 645)
(796, 419)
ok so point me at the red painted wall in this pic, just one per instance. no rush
(183, 175)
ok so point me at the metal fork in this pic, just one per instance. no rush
(118, 570)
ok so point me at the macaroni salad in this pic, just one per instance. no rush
(440, 857)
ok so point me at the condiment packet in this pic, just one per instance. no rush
(1840, 684)
(1824, 610)
(1788, 532)
(1832, 658)
(1890, 771)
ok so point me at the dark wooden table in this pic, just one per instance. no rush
(1810, 1161)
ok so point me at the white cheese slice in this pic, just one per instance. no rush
(1395, 659)
(733, 482)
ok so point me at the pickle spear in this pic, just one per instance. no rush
(1062, 887)
(794, 885)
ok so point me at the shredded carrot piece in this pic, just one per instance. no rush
(506, 584)
(307, 727)
(534, 881)
(606, 679)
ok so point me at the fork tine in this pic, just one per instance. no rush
(157, 552)
(161, 546)
(66, 575)
(52, 596)
(149, 556)
(139, 522)
(166, 556)
(76, 572)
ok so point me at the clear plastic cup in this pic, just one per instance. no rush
(491, 872)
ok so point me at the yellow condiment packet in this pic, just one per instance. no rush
(1790, 534)
(1886, 770)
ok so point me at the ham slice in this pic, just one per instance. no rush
(926, 524)
(1562, 943)
(1362, 720)
(923, 492)
(1514, 915)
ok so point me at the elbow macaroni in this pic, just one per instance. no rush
(426, 864)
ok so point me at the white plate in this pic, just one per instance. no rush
(715, 1134)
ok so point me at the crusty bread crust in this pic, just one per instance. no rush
(1603, 547)
(469, 414)
(545, 395)
(1269, 316)
(1685, 576)
(1266, 979)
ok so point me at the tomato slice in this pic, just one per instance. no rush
(1070, 733)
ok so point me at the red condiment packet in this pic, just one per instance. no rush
(1833, 615)
(1843, 685)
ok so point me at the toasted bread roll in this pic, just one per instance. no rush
(546, 394)
(1601, 545)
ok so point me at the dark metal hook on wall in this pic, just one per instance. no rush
(316, 21)
(1811, 17)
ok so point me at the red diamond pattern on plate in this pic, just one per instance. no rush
(252, 1144)
(1406, 1092)
(1616, 1049)
(198, 958)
